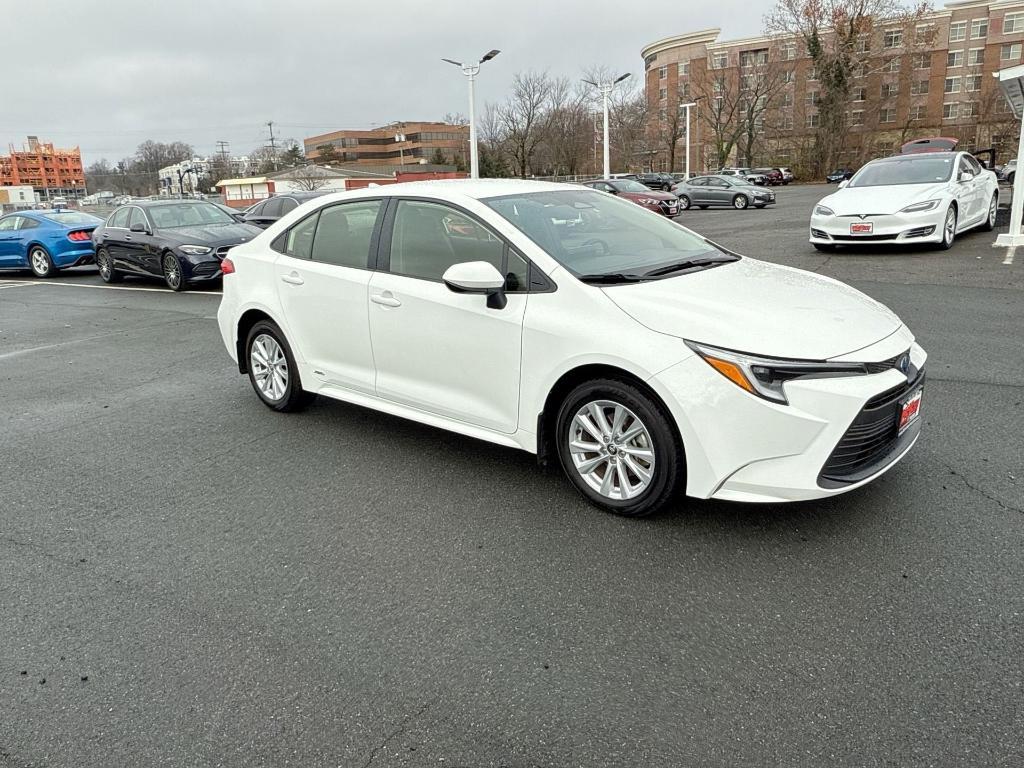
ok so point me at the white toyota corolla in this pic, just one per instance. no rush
(918, 198)
(570, 323)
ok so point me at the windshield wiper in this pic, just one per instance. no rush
(690, 264)
(611, 278)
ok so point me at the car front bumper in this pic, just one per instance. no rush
(740, 447)
(924, 227)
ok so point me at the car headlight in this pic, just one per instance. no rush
(194, 250)
(764, 376)
(927, 205)
(648, 201)
(821, 210)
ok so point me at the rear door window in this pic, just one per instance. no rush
(344, 233)
(119, 218)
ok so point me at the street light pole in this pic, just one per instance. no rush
(687, 107)
(471, 71)
(605, 89)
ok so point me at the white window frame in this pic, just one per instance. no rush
(954, 81)
(787, 52)
(918, 112)
(683, 68)
(885, 112)
(975, 57)
(976, 24)
(915, 87)
(954, 59)
(960, 28)
(812, 120)
(922, 61)
(890, 89)
(1010, 47)
(860, 93)
(857, 117)
(662, 72)
(662, 94)
(1013, 22)
(950, 110)
(719, 60)
(970, 109)
(972, 80)
(892, 38)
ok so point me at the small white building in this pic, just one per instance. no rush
(16, 197)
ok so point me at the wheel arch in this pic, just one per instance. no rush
(245, 323)
(547, 451)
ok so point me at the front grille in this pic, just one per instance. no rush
(885, 365)
(872, 440)
(223, 251)
(863, 238)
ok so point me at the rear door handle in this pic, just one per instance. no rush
(293, 279)
(385, 299)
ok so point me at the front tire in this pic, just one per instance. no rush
(617, 446)
(684, 203)
(40, 263)
(173, 275)
(948, 229)
(740, 202)
(105, 265)
(272, 370)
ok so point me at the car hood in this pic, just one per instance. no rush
(212, 234)
(651, 195)
(759, 308)
(856, 200)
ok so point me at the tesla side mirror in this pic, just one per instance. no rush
(140, 228)
(965, 176)
(477, 277)
(843, 183)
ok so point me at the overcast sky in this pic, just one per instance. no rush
(116, 72)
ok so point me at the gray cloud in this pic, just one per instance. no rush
(117, 72)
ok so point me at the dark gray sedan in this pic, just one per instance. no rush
(732, 191)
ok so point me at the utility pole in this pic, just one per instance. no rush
(605, 89)
(222, 150)
(273, 145)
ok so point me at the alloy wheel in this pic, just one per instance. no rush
(740, 202)
(172, 272)
(993, 209)
(612, 450)
(40, 262)
(269, 366)
(103, 264)
(949, 228)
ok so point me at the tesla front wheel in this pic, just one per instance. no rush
(105, 265)
(272, 370)
(740, 202)
(40, 263)
(948, 229)
(618, 448)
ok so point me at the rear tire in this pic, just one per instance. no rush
(993, 212)
(40, 263)
(638, 468)
(272, 370)
(105, 265)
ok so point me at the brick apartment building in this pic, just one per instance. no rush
(50, 172)
(935, 79)
(379, 147)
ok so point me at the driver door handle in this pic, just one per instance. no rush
(386, 299)
(293, 279)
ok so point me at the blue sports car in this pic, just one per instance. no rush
(45, 241)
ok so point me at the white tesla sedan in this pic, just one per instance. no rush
(578, 326)
(918, 198)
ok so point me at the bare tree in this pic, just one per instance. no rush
(834, 33)
(309, 178)
(522, 118)
(721, 99)
(567, 127)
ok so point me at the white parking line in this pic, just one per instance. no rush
(1010, 253)
(111, 287)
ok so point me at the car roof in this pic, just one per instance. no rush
(173, 201)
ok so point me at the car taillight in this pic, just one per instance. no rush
(79, 236)
(227, 267)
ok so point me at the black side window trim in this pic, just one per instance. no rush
(384, 249)
(280, 242)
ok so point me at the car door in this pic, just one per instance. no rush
(11, 251)
(985, 185)
(719, 191)
(697, 190)
(436, 350)
(323, 273)
(967, 193)
(112, 238)
(137, 246)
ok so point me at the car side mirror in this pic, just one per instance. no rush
(965, 176)
(477, 277)
(140, 228)
(843, 183)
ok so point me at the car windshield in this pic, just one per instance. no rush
(908, 170)
(591, 233)
(73, 219)
(626, 185)
(187, 215)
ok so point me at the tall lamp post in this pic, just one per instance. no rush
(400, 138)
(606, 91)
(687, 107)
(471, 71)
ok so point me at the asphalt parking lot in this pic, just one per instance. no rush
(188, 579)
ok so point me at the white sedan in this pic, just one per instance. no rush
(918, 198)
(578, 326)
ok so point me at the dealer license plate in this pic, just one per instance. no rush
(862, 228)
(911, 411)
